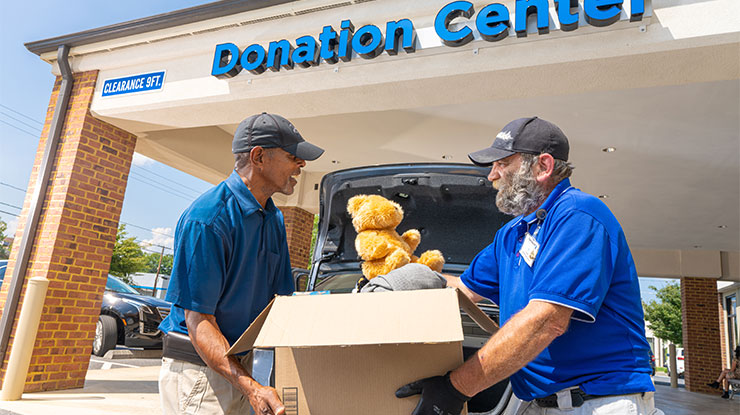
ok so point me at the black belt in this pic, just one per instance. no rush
(178, 346)
(577, 398)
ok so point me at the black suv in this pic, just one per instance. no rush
(128, 318)
(453, 207)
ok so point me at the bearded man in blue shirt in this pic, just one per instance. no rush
(231, 259)
(572, 338)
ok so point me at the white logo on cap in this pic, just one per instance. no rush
(505, 135)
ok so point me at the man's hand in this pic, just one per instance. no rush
(438, 396)
(265, 401)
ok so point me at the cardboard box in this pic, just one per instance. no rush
(348, 353)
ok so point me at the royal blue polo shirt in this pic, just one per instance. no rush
(231, 258)
(584, 264)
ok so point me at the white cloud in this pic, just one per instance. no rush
(159, 237)
(140, 160)
(12, 226)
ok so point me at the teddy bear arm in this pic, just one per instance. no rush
(371, 246)
(433, 259)
(412, 237)
(382, 266)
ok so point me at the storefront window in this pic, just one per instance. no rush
(732, 335)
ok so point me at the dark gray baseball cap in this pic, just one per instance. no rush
(525, 135)
(272, 131)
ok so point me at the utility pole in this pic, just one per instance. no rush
(156, 277)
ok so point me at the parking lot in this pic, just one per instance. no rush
(123, 357)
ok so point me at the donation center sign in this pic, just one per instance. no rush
(493, 23)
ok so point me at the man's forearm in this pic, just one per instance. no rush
(455, 282)
(517, 343)
(212, 347)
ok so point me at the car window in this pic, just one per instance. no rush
(339, 283)
(116, 285)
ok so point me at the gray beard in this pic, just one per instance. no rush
(522, 194)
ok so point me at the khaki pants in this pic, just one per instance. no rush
(187, 388)
(634, 404)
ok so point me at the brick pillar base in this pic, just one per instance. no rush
(298, 227)
(75, 237)
(701, 339)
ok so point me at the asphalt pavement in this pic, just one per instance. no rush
(122, 357)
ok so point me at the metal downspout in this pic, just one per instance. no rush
(37, 201)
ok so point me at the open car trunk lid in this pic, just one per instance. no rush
(452, 205)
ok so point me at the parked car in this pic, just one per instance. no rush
(128, 318)
(453, 207)
(679, 362)
(3, 267)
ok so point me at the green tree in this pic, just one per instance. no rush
(664, 315)
(128, 258)
(152, 260)
(4, 251)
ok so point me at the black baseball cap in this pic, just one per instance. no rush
(526, 135)
(272, 131)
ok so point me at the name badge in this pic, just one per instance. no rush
(529, 249)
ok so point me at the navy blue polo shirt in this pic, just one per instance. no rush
(231, 258)
(583, 263)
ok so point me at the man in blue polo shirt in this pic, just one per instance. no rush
(231, 258)
(572, 338)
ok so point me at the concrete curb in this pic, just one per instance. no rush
(132, 354)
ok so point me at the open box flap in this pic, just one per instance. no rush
(246, 340)
(475, 313)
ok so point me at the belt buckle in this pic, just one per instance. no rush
(576, 397)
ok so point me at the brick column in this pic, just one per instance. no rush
(75, 237)
(701, 337)
(298, 227)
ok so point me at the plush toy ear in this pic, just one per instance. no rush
(354, 203)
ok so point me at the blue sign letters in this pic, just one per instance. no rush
(492, 22)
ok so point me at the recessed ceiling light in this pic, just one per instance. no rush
(603, 196)
(609, 149)
(722, 226)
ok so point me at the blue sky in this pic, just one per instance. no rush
(25, 85)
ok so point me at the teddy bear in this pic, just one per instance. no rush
(378, 244)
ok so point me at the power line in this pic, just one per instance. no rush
(13, 187)
(148, 244)
(125, 223)
(20, 129)
(21, 114)
(164, 185)
(8, 213)
(180, 195)
(13, 206)
(146, 229)
(170, 180)
(20, 121)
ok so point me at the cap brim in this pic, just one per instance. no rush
(305, 150)
(488, 156)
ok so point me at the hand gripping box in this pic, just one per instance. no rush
(348, 353)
